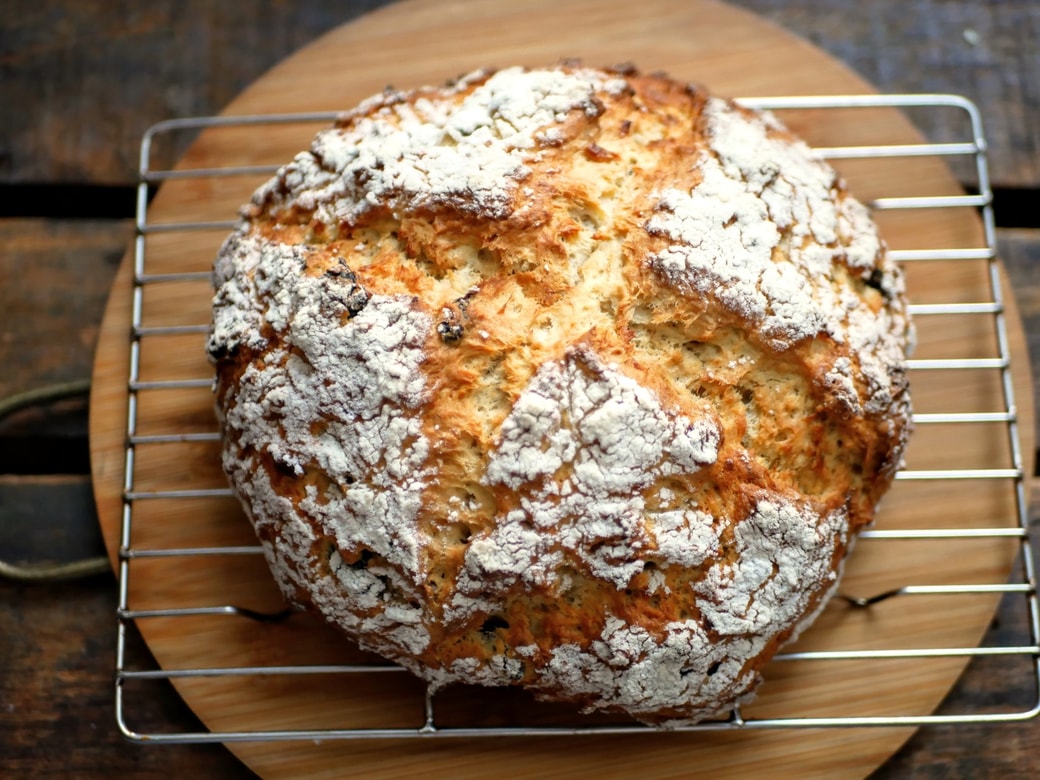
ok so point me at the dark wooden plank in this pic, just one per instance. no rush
(55, 280)
(83, 106)
(57, 707)
(89, 77)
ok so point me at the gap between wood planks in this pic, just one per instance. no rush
(1013, 207)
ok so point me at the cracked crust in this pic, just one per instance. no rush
(573, 379)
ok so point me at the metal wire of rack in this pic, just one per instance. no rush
(972, 149)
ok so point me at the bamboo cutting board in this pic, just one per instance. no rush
(423, 41)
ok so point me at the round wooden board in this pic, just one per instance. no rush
(427, 41)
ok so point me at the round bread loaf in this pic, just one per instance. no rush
(571, 379)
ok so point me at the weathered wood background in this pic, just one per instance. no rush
(79, 83)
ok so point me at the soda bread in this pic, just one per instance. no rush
(580, 380)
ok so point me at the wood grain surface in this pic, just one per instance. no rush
(405, 45)
(44, 297)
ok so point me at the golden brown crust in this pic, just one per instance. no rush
(580, 380)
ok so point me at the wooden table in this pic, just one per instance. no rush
(80, 82)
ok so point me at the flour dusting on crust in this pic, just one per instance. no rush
(583, 443)
(402, 154)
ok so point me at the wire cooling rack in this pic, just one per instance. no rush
(970, 153)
